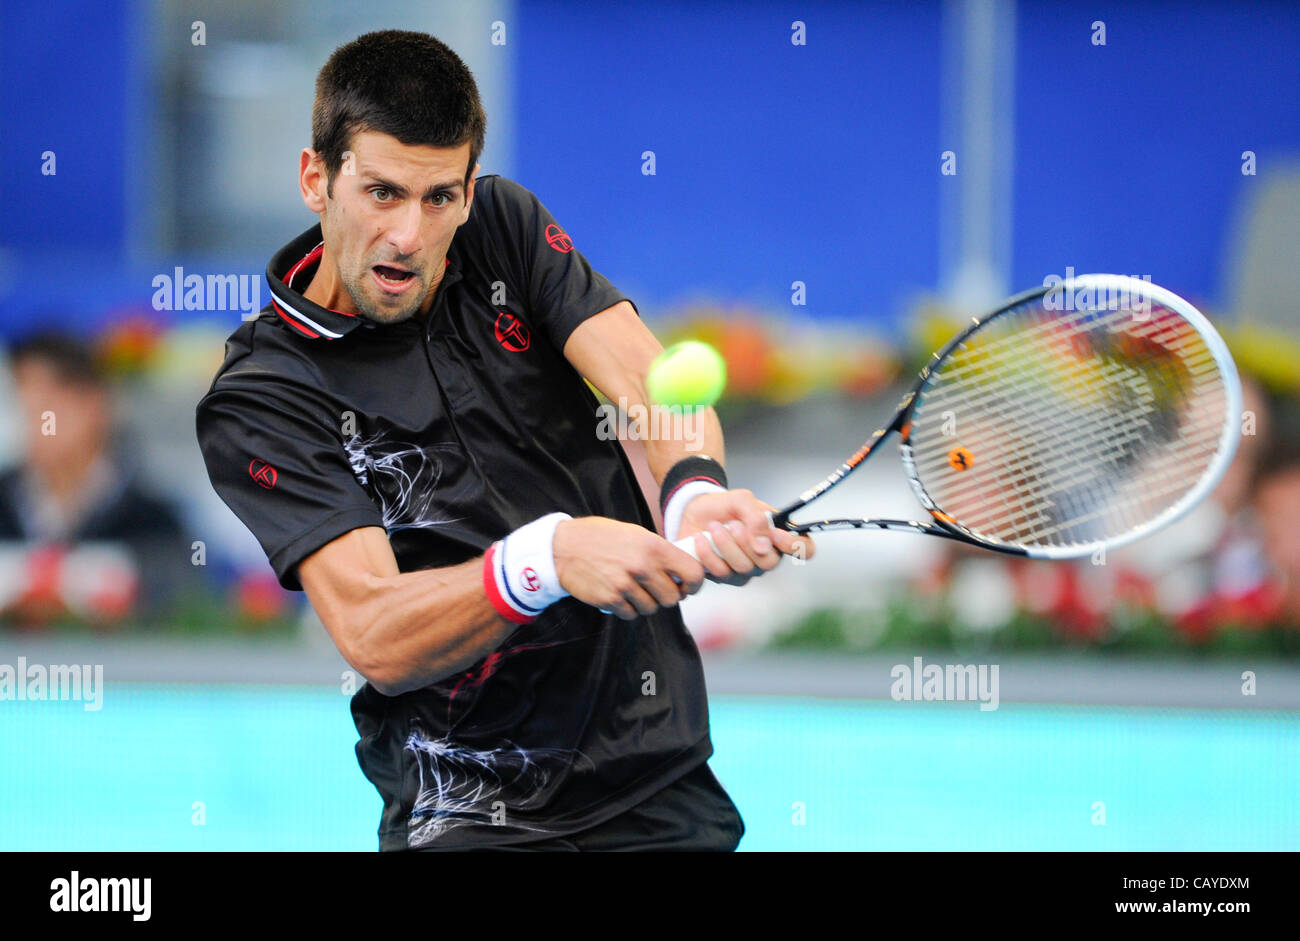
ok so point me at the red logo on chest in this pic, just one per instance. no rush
(558, 239)
(512, 333)
(263, 473)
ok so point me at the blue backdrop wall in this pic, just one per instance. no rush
(822, 163)
(774, 162)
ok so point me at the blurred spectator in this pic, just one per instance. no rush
(1257, 572)
(1277, 508)
(1253, 569)
(83, 538)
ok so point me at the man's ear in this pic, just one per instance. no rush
(312, 181)
(469, 195)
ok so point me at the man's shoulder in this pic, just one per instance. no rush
(505, 217)
(500, 201)
(260, 350)
(494, 186)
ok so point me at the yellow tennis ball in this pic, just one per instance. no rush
(688, 374)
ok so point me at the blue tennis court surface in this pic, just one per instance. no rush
(229, 768)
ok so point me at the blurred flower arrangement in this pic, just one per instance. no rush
(1022, 605)
(93, 583)
(54, 588)
(129, 343)
(772, 362)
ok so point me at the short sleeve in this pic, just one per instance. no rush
(562, 289)
(282, 472)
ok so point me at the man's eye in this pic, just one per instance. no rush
(441, 199)
(381, 195)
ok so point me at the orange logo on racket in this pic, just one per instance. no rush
(961, 459)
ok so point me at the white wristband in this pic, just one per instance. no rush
(677, 504)
(524, 567)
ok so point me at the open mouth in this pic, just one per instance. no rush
(392, 275)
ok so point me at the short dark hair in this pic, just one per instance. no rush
(407, 85)
(72, 360)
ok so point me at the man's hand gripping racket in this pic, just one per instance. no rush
(746, 545)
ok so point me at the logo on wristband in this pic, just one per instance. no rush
(530, 578)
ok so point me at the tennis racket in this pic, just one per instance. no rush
(1075, 417)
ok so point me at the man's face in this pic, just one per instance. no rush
(1278, 507)
(391, 220)
(77, 414)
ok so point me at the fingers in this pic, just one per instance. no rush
(621, 568)
(737, 566)
(622, 610)
(663, 591)
(726, 546)
(638, 599)
(794, 544)
(714, 564)
(748, 548)
(737, 547)
(762, 543)
(753, 516)
(666, 576)
(733, 556)
(686, 571)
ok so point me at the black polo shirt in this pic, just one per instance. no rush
(450, 434)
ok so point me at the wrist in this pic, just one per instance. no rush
(676, 506)
(687, 479)
(519, 574)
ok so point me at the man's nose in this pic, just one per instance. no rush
(404, 234)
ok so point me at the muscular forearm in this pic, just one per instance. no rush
(705, 438)
(614, 351)
(421, 627)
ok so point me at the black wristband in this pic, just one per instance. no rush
(688, 469)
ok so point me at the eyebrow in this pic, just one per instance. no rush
(401, 191)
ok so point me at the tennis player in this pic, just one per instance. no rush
(406, 430)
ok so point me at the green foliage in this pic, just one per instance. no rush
(909, 623)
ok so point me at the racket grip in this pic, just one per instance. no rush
(687, 545)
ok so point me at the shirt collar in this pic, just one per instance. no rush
(289, 272)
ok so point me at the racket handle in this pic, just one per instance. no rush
(687, 545)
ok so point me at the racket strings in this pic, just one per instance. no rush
(1081, 495)
(1081, 424)
(1024, 460)
(1033, 438)
(1048, 433)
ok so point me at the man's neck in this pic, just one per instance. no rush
(327, 290)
